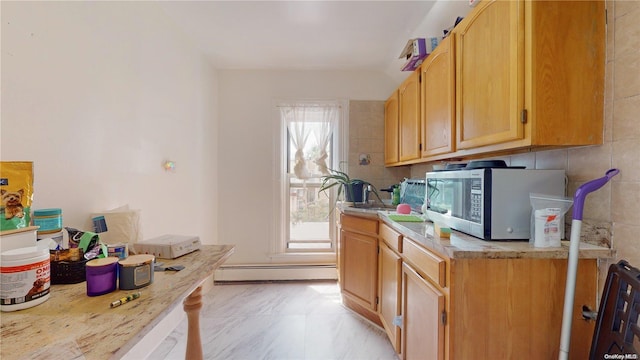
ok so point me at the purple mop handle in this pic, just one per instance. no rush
(586, 188)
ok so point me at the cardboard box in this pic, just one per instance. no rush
(415, 48)
(413, 63)
(168, 246)
(416, 51)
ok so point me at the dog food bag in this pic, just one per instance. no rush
(16, 186)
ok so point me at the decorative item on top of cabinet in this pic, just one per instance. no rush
(530, 74)
(391, 128)
(409, 133)
(438, 100)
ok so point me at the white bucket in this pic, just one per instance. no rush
(25, 279)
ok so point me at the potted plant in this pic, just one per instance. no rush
(353, 188)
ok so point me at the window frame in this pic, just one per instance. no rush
(281, 197)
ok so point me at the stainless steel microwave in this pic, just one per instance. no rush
(489, 203)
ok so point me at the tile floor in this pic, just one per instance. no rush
(291, 320)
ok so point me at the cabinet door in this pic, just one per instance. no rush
(438, 105)
(390, 270)
(409, 97)
(490, 75)
(391, 128)
(358, 268)
(422, 317)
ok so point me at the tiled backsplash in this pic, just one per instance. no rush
(366, 141)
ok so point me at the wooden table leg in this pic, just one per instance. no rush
(192, 305)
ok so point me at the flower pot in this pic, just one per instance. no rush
(354, 192)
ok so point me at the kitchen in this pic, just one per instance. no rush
(77, 103)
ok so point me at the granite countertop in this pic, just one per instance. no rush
(71, 324)
(462, 246)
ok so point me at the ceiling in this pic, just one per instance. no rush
(319, 35)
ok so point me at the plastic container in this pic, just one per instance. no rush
(102, 276)
(55, 236)
(547, 219)
(121, 251)
(24, 278)
(49, 220)
(136, 271)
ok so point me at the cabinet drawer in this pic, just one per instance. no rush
(391, 237)
(359, 225)
(425, 262)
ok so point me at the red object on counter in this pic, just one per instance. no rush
(403, 209)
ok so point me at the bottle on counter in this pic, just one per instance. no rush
(395, 197)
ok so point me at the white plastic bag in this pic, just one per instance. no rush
(123, 227)
(547, 219)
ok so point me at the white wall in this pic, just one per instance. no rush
(97, 95)
(247, 161)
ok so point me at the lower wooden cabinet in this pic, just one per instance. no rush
(512, 308)
(436, 307)
(359, 267)
(389, 289)
(423, 317)
(358, 264)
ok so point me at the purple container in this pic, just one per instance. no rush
(102, 275)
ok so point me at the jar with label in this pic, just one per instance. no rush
(25, 279)
(49, 220)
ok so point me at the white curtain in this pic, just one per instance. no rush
(304, 120)
(323, 136)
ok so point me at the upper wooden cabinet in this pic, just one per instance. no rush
(438, 100)
(391, 128)
(530, 74)
(515, 75)
(409, 98)
(490, 86)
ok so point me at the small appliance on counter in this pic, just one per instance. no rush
(168, 246)
(487, 199)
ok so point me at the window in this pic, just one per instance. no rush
(311, 133)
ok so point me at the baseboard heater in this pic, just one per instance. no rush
(260, 272)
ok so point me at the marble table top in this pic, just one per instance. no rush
(462, 246)
(71, 324)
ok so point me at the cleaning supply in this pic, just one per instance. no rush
(405, 218)
(441, 231)
(572, 265)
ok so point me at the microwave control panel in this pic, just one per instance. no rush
(475, 210)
